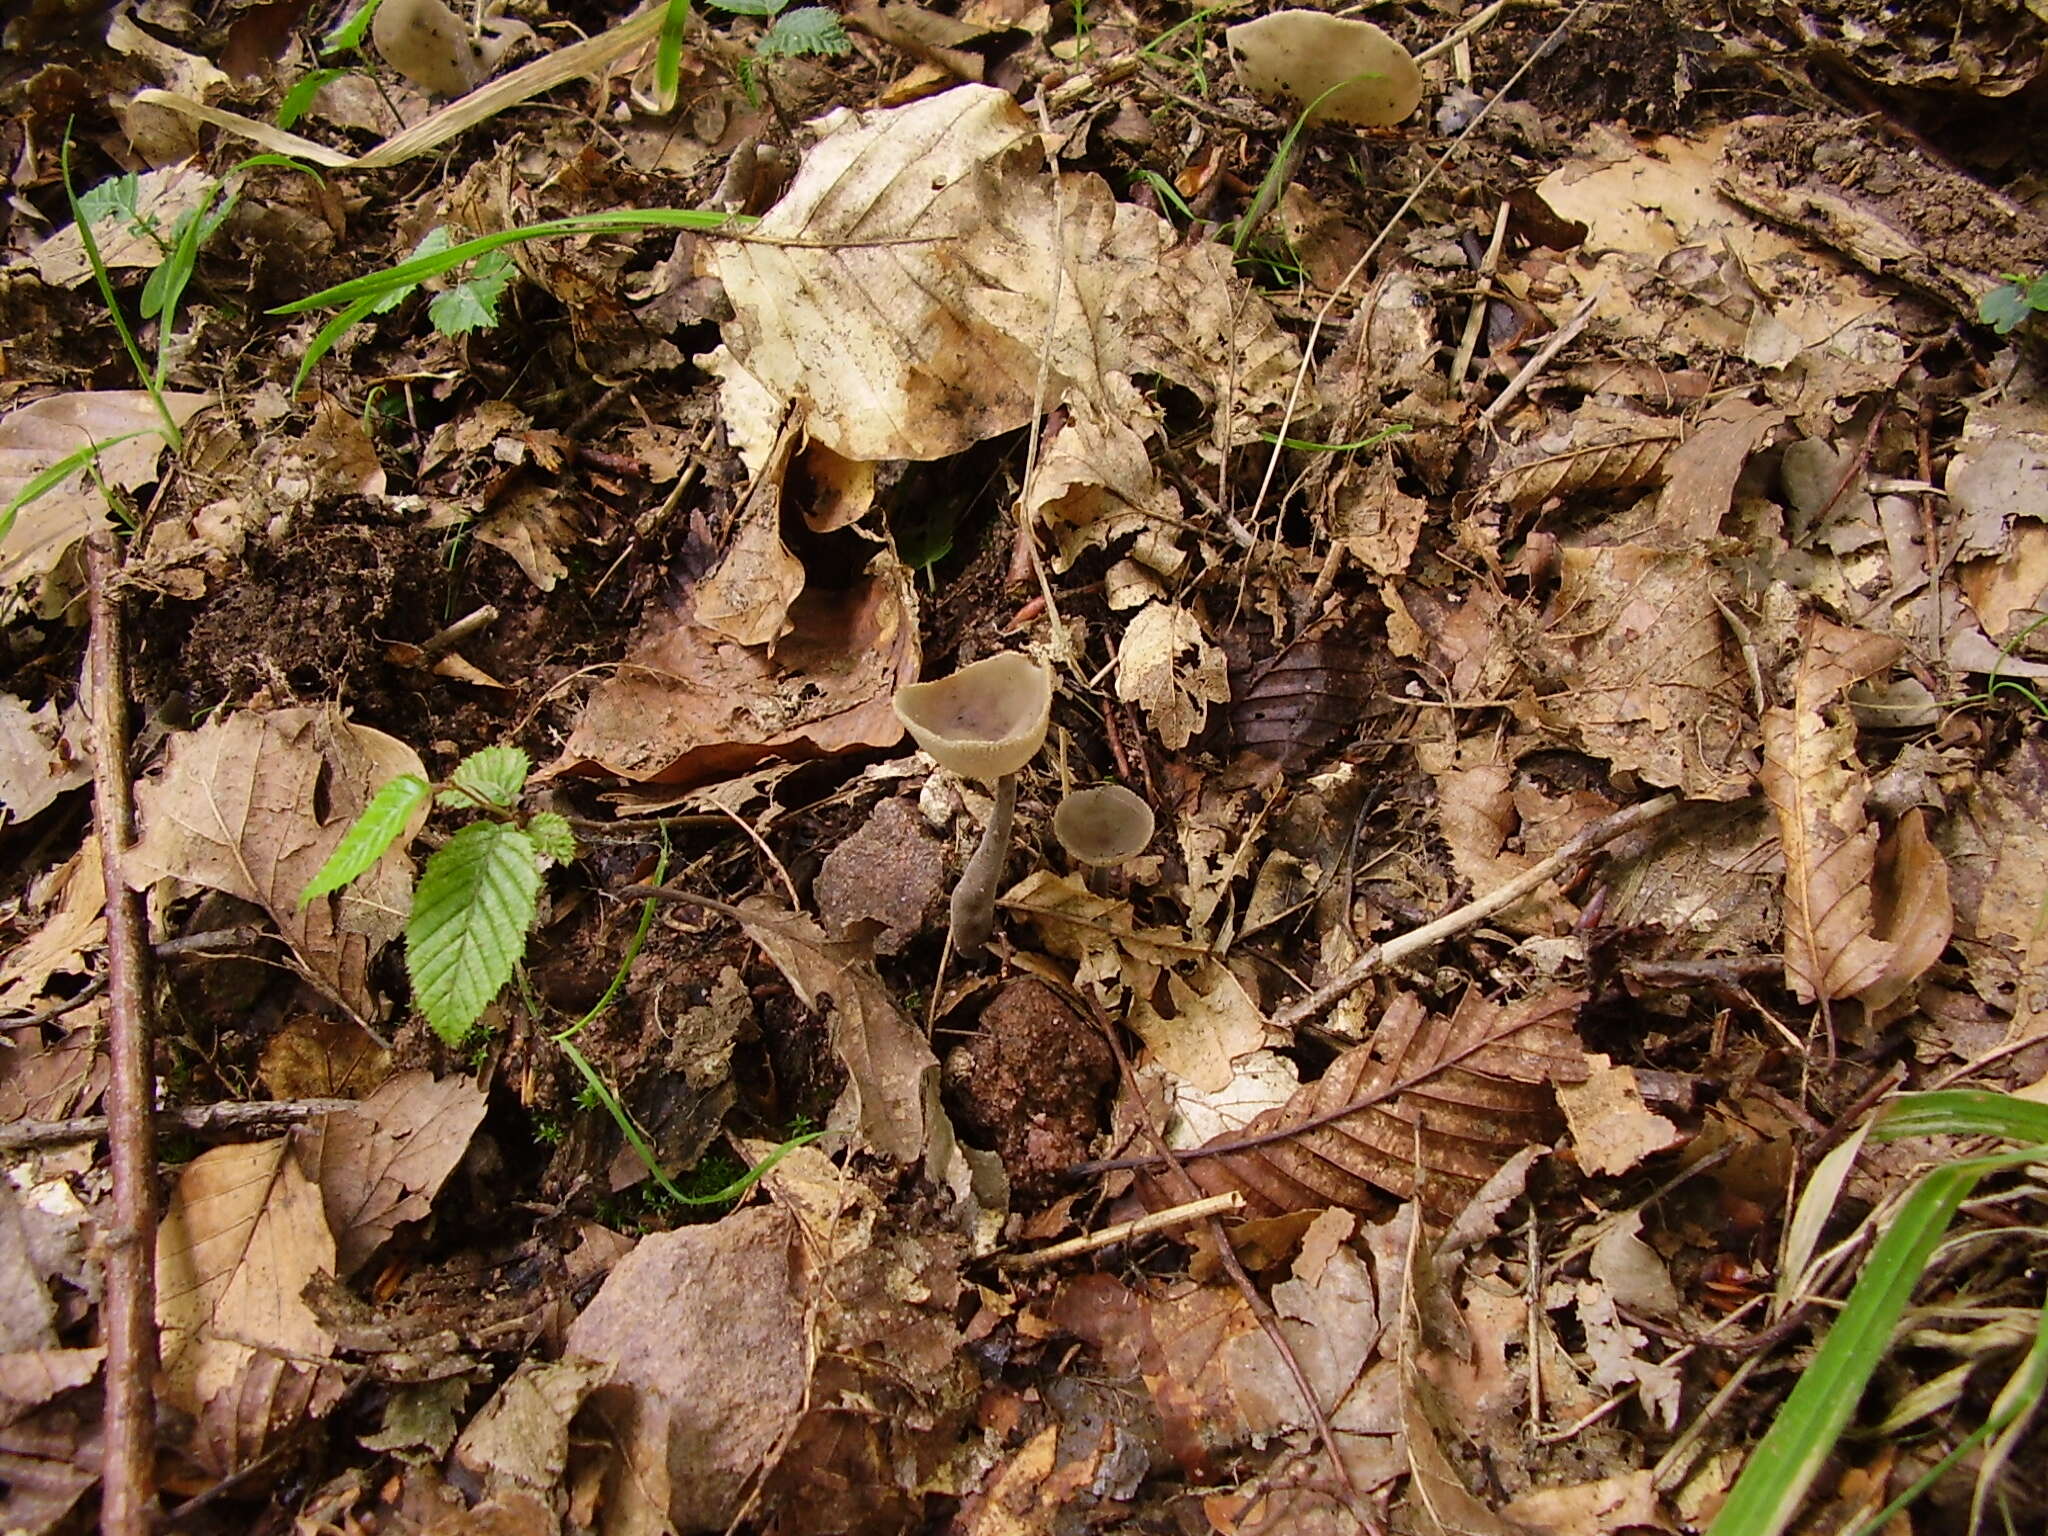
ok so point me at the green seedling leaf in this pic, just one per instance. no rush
(299, 99)
(1385, 434)
(552, 836)
(2004, 307)
(353, 29)
(472, 304)
(367, 838)
(115, 196)
(492, 777)
(668, 53)
(41, 484)
(807, 29)
(751, 7)
(476, 899)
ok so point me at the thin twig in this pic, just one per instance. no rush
(128, 1504)
(1631, 819)
(1559, 339)
(1226, 1204)
(191, 1120)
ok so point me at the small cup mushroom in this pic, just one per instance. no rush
(984, 722)
(428, 43)
(1336, 68)
(1103, 825)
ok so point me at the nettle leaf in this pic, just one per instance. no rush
(493, 776)
(116, 196)
(472, 305)
(552, 836)
(366, 840)
(807, 29)
(476, 899)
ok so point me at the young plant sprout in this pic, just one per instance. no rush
(984, 722)
(1103, 825)
(1347, 70)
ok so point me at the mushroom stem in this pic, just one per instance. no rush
(974, 898)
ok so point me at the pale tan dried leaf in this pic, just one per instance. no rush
(1910, 908)
(1476, 1084)
(237, 809)
(43, 433)
(1631, 1270)
(241, 1237)
(381, 1164)
(1644, 671)
(1590, 470)
(1996, 843)
(1619, 1351)
(704, 1332)
(1101, 935)
(1208, 1025)
(747, 599)
(28, 1317)
(1701, 473)
(41, 757)
(1377, 522)
(1612, 1128)
(1166, 665)
(74, 927)
(520, 1438)
(533, 523)
(1624, 1502)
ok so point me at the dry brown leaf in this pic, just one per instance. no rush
(317, 1056)
(533, 523)
(1377, 522)
(1701, 474)
(1207, 1025)
(913, 316)
(747, 599)
(1816, 788)
(688, 706)
(1166, 665)
(57, 1080)
(381, 1164)
(43, 433)
(1612, 1128)
(519, 1440)
(242, 1236)
(237, 809)
(1100, 935)
(73, 928)
(1910, 909)
(704, 1333)
(1600, 467)
(41, 757)
(1645, 670)
(1996, 844)
(1462, 1091)
(1623, 1502)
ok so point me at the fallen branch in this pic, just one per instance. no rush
(128, 1503)
(194, 1120)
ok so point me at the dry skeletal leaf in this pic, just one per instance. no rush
(1618, 1350)
(533, 523)
(241, 1237)
(237, 808)
(1166, 665)
(1101, 935)
(41, 757)
(1460, 1092)
(1816, 788)
(1644, 670)
(1612, 1128)
(381, 1164)
(704, 1332)
(42, 434)
(917, 300)
(689, 706)
(1207, 1025)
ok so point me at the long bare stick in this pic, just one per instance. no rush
(1597, 836)
(234, 1119)
(128, 1312)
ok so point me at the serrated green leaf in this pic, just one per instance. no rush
(2004, 307)
(492, 776)
(807, 29)
(472, 304)
(364, 843)
(115, 196)
(476, 899)
(353, 29)
(299, 98)
(552, 835)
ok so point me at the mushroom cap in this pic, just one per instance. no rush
(1102, 825)
(1302, 54)
(984, 721)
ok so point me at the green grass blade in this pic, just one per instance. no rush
(416, 270)
(1964, 1112)
(476, 899)
(325, 338)
(105, 283)
(668, 54)
(369, 835)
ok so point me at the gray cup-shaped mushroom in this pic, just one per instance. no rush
(985, 722)
(1345, 70)
(1103, 825)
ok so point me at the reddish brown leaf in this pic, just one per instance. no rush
(1469, 1089)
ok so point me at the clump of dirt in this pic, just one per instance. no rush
(1031, 1082)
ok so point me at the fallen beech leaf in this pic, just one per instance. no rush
(1461, 1091)
(381, 1164)
(1816, 788)
(1620, 463)
(1910, 909)
(237, 809)
(241, 1237)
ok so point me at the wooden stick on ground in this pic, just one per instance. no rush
(128, 1504)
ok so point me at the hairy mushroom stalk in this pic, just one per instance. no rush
(984, 722)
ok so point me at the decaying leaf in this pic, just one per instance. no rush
(1620, 457)
(1459, 1093)
(746, 600)
(1612, 1128)
(240, 1240)
(1166, 665)
(72, 900)
(381, 1164)
(1816, 787)
(238, 809)
(1997, 849)
(41, 756)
